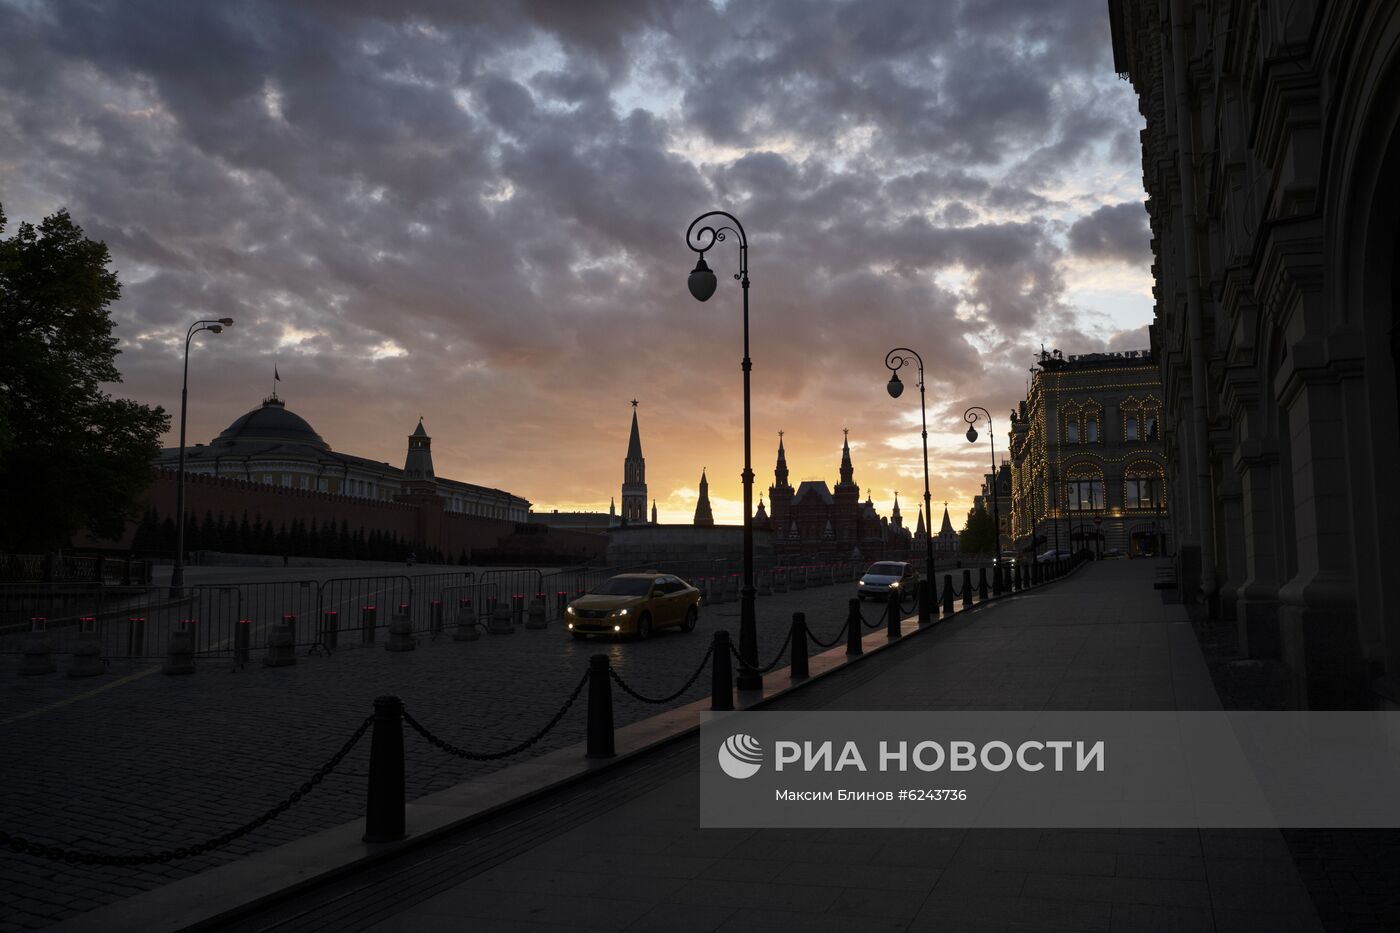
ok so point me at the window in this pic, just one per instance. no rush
(267, 478)
(1130, 430)
(1091, 429)
(1143, 487)
(1151, 427)
(1084, 491)
(321, 484)
(1072, 432)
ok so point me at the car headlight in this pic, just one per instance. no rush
(623, 612)
(864, 582)
(617, 628)
(571, 626)
(569, 610)
(894, 585)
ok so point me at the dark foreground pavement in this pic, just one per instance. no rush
(621, 850)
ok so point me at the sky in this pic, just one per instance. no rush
(476, 213)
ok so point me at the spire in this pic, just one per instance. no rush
(895, 511)
(419, 463)
(920, 532)
(634, 476)
(780, 473)
(847, 471)
(653, 511)
(760, 518)
(947, 527)
(704, 518)
(634, 443)
(612, 508)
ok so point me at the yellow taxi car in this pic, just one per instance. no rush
(634, 604)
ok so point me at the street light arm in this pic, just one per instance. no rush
(895, 361)
(970, 416)
(701, 236)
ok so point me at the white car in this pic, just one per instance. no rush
(1046, 557)
(882, 575)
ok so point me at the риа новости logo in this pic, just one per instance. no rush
(740, 756)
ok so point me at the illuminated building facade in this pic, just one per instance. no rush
(1088, 468)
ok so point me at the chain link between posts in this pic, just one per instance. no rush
(79, 857)
(627, 689)
(763, 670)
(505, 753)
(835, 639)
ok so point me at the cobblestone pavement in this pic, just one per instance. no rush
(135, 761)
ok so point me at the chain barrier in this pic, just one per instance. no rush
(666, 699)
(879, 620)
(835, 639)
(763, 670)
(506, 753)
(78, 857)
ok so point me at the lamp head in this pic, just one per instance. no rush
(895, 388)
(972, 435)
(226, 321)
(702, 281)
(215, 328)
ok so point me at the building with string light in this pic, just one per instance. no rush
(1088, 466)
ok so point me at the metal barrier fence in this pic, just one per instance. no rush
(234, 621)
(67, 568)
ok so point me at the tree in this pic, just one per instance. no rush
(71, 456)
(980, 534)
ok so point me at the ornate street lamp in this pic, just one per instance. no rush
(895, 360)
(704, 232)
(177, 573)
(970, 416)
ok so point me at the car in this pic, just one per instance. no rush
(880, 576)
(634, 604)
(1046, 557)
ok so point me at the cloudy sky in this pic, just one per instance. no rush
(475, 212)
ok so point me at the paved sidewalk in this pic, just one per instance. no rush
(629, 854)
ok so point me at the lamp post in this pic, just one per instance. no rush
(970, 416)
(177, 573)
(704, 232)
(895, 360)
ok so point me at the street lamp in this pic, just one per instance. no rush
(704, 232)
(894, 361)
(177, 573)
(970, 416)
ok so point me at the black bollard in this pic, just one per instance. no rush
(242, 637)
(721, 674)
(892, 615)
(367, 623)
(855, 629)
(600, 717)
(982, 584)
(947, 594)
(330, 630)
(928, 607)
(998, 571)
(384, 816)
(799, 646)
(967, 588)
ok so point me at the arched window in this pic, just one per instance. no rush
(1070, 423)
(1143, 486)
(1093, 422)
(1084, 489)
(1141, 419)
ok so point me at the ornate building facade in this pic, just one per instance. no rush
(1088, 468)
(814, 519)
(1271, 159)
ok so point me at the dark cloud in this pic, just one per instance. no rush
(1114, 231)
(476, 211)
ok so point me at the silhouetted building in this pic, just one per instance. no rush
(704, 518)
(273, 446)
(1271, 159)
(634, 476)
(816, 520)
